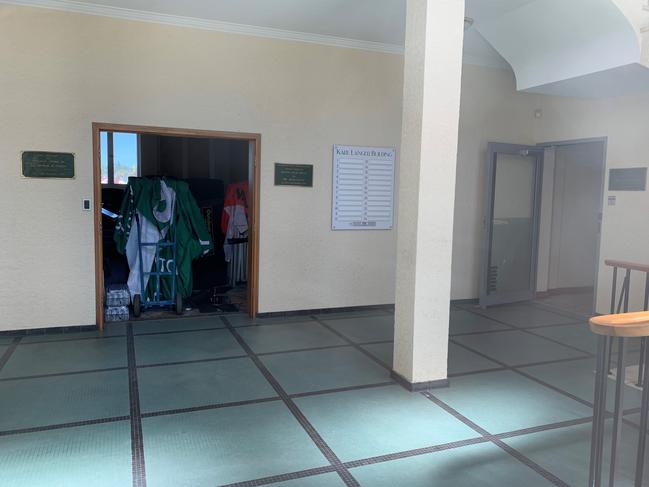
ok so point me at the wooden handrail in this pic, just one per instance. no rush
(622, 264)
(622, 325)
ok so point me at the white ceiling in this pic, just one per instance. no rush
(376, 24)
(621, 81)
(380, 21)
(365, 24)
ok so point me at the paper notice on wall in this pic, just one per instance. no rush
(363, 188)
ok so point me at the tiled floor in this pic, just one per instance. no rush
(303, 402)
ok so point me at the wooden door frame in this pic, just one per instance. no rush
(254, 171)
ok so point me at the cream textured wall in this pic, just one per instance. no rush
(625, 226)
(491, 111)
(61, 72)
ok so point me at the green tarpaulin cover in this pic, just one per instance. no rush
(160, 204)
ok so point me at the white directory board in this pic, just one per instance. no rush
(363, 188)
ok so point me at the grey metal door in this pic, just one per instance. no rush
(511, 223)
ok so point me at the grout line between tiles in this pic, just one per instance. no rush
(332, 468)
(173, 332)
(305, 349)
(576, 349)
(535, 304)
(545, 427)
(510, 328)
(528, 376)
(74, 424)
(497, 441)
(189, 362)
(180, 362)
(67, 340)
(555, 325)
(169, 412)
(411, 453)
(483, 332)
(301, 474)
(246, 402)
(376, 342)
(416, 452)
(476, 372)
(61, 374)
(528, 330)
(9, 352)
(137, 440)
(325, 449)
(342, 389)
(547, 362)
(222, 405)
(556, 309)
(350, 342)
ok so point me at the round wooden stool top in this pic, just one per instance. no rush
(621, 325)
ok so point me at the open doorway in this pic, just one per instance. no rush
(213, 168)
(573, 198)
(542, 221)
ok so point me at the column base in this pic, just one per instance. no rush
(418, 386)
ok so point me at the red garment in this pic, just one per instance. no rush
(236, 194)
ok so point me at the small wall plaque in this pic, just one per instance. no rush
(38, 164)
(294, 175)
(627, 179)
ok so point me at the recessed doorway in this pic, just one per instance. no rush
(542, 223)
(209, 164)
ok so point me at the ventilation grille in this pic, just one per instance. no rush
(492, 279)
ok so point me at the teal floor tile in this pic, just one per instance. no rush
(365, 329)
(517, 347)
(98, 455)
(524, 315)
(463, 321)
(635, 419)
(291, 336)
(505, 401)
(178, 324)
(483, 465)
(3, 349)
(179, 347)
(27, 403)
(222, 446)
(318, 370)
(578, 336)
(580, 303)
(372, 422)
(243, 320)
(325, 480)
(6, 340)
(200, 384)
(382, 351)
(111, 330)
(66, 356)
(461, 361)
(578, 378)
(566, 453)
(334, 315)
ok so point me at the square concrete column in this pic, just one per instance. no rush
(431, 110)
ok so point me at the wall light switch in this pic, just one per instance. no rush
(612, 200)
(85, 205)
